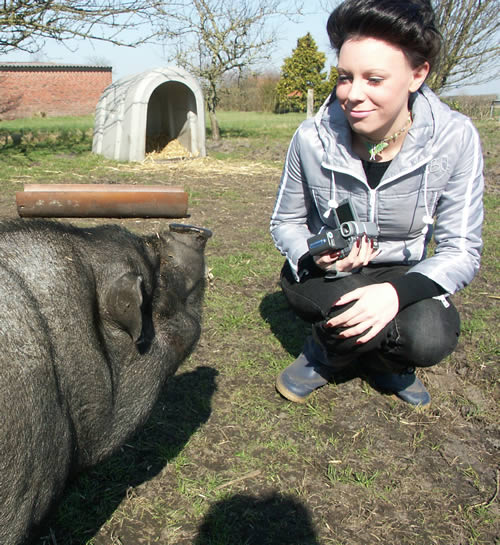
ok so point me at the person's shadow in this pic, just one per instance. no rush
(274, 519)
(285, 325)
(185, 404)
(292, 331)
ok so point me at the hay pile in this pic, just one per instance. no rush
(172, 150)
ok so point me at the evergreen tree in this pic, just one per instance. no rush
(303, 70)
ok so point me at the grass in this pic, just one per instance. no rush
(223, 459)
(252, 132)
(257, 125)
(48, 125)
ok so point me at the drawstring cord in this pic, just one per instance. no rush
(427, 219)
(332, 203)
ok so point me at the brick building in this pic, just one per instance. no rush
(28, 89)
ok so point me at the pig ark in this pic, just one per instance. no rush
(92, 322)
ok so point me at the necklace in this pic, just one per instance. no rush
(376, 147)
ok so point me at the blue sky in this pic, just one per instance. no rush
(126, 61)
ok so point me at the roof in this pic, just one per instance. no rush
(50, 67)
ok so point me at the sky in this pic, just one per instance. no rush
(127, 61)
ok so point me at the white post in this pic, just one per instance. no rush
(310, 103)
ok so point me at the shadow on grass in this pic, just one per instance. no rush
(291, 331)
(91, 499)
(273, 520)
(285, 325)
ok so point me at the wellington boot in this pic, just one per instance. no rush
(407, 386)
(310, 371)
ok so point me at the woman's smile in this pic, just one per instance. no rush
(358, 114)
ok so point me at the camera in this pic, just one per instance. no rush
(349, 229)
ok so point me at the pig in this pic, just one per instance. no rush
(92, 323)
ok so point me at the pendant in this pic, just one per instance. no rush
(375, 150)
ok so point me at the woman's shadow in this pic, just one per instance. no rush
(274, 519)
(185, 404)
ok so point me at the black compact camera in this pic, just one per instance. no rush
(349, 229)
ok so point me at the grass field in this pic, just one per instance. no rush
(224, 460)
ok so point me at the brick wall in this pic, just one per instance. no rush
(50, 89)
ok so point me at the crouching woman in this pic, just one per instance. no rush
(406, 162)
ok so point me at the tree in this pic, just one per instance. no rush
(471, 52)
(303, 70)
(26, 24)
(471, 32)
(215, 37)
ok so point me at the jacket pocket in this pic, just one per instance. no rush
(403, 215)
(322, 200)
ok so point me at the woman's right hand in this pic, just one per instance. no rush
(362, 252)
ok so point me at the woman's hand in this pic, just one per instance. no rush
(362, 252)
(376, 305)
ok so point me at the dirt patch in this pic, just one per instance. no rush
(225, 460)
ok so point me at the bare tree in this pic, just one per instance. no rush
(26, 24)
(215, 37)
(471, 33)
(471, 52)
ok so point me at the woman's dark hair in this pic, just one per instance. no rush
(407, 24)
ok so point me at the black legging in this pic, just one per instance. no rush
(420, 335)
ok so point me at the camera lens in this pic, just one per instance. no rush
(346, 229)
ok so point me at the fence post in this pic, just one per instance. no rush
(310, 103)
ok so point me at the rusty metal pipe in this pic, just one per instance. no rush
(104, 201)
(104, 187)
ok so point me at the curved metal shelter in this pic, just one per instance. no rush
(138, 112)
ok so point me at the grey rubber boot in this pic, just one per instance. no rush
(310, 371)
(407, 386)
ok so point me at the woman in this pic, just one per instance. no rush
(407, 163)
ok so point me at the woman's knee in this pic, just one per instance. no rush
(313, 297)
(428, 331)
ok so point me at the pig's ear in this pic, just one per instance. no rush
(123, 304)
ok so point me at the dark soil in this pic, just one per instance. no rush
(225, 460)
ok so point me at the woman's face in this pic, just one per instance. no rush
(374, 84)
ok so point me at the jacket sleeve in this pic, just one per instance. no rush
(289, 228)
(459, 217)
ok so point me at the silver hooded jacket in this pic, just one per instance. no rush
(434, 185)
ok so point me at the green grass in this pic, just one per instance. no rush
(48, 150)
(257, 124)
(48, 124)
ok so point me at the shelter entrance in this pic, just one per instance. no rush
(171, 118)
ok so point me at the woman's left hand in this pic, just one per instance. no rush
(376, 305)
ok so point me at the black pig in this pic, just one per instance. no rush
(92, 322)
